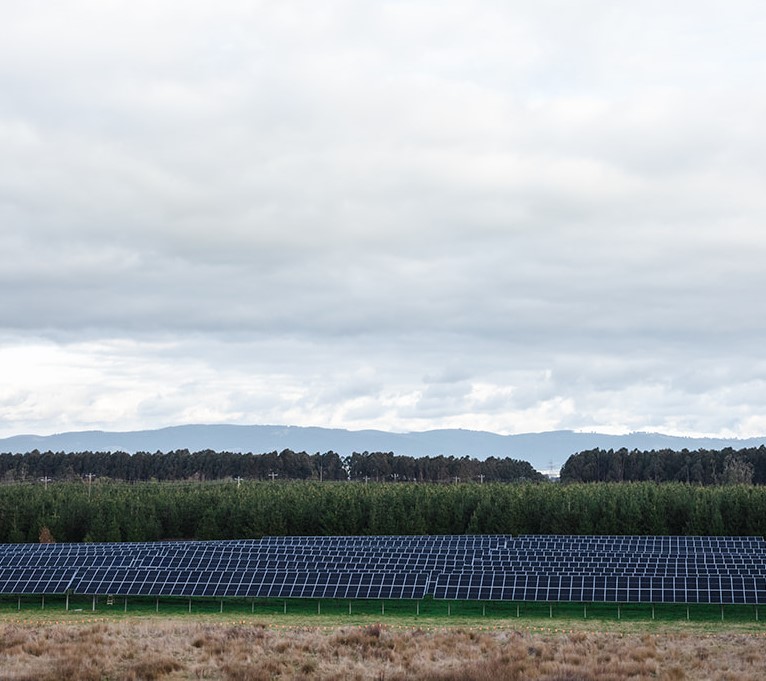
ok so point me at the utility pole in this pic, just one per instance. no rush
(481, 478)
(272, 475)
(46, 480)
(90, 477)
(239, 480)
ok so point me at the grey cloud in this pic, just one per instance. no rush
(480, 215)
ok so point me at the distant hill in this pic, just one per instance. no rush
(545, 451)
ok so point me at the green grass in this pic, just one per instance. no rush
(428, 612)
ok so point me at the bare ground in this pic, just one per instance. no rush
(177, 649)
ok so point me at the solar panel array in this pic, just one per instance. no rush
(548, 568)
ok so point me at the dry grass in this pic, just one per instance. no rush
(173, 649)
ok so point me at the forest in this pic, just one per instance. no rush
(103, 510)
(285, 465)
(699, 467)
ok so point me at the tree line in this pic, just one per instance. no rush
(103, 510)
(285, 465)
(699, 467)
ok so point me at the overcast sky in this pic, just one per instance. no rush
(496, 215)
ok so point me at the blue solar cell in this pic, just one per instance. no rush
(560, 568)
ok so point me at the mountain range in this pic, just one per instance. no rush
(546, 451)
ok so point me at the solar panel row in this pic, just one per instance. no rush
(365, 585)
(424, 545)
(590, 589)
(531, 562)
(39, 581)
(485, 567)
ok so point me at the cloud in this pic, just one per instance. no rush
(400, 215)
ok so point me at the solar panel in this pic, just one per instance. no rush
(21, 581)
(491, 567)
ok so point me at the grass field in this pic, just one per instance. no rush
(377, 641)
(208, 647)
(361, 612)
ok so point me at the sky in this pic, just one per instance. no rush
(401, 214)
